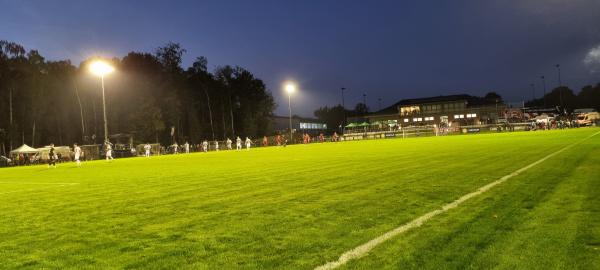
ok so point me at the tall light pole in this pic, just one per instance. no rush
(559, 80)
(101, 69)
(344, 110)
(544, 85)
(559, 85)
(365, 99)
(290, 88)
(533, 91)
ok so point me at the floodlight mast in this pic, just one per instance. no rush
(290, 88)
(101, 68)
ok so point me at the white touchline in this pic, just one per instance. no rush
(363, 249)
(48, 186)
(39, 183)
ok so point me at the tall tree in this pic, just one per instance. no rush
(332, 116)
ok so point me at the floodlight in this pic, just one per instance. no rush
(101, 68)
(290, 88)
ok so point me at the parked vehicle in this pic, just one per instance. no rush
(587, 119)
(5, 162)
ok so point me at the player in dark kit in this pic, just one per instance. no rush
(51, 157)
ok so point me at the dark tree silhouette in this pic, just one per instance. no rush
(44, 102)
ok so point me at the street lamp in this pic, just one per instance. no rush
(101, 68)
(344, 109)
(559, 85)
(290, 88)
(544, 84)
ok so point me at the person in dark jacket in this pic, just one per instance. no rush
(52, 157)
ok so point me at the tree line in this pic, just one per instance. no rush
(150, 96)
(564, 97)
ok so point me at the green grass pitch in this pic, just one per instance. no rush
(302, 206)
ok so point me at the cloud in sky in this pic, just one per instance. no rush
(592, 59)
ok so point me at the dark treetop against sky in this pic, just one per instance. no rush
(386, 49)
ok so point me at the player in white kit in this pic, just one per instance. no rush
(248, 143)
(238, 143)
(108, 151)
(175, 148)
(217, 146)
(186, 147)
(229, 144)
(77, 151)
(147, 148)
(205, 146)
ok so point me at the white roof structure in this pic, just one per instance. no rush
(24, 149)
(584, 110)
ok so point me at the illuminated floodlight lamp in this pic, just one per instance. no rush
(101, 68)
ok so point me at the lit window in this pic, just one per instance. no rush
(409, 110)
(405, 120)
(471, 115)
(415, 119)
(459, 116)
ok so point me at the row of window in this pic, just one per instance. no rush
(313, 126)
(443, 107)
(462, 116)
(430, 118)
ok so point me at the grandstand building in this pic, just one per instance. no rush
(452, 110)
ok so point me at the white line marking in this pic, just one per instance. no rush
(39, 183)
(363, 249)
(48, 186)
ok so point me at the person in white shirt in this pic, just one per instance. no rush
(238, 143)
(147, 148)
(108, 151)
(77, 151)
(205, 146)
(248, 143)
(217, 146)
(175, 148)
(186, 146)
(229, 144)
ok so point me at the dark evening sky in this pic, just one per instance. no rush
(385, 49)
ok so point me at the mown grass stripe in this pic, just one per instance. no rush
(363, 249)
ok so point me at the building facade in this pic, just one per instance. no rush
(449, 111)
(281, 125)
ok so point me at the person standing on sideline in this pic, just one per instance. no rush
(265, 141)
(175, 148)
(205, 146)
(186, 147)
(147, 148)
(217, 146)
(228, 142)
(278, 140)
(248, 143)
(108, 151)
(238, 143)
(51, 157)
(77, 151)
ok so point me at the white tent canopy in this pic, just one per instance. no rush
(24, 149)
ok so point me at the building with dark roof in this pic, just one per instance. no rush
(452, 110)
